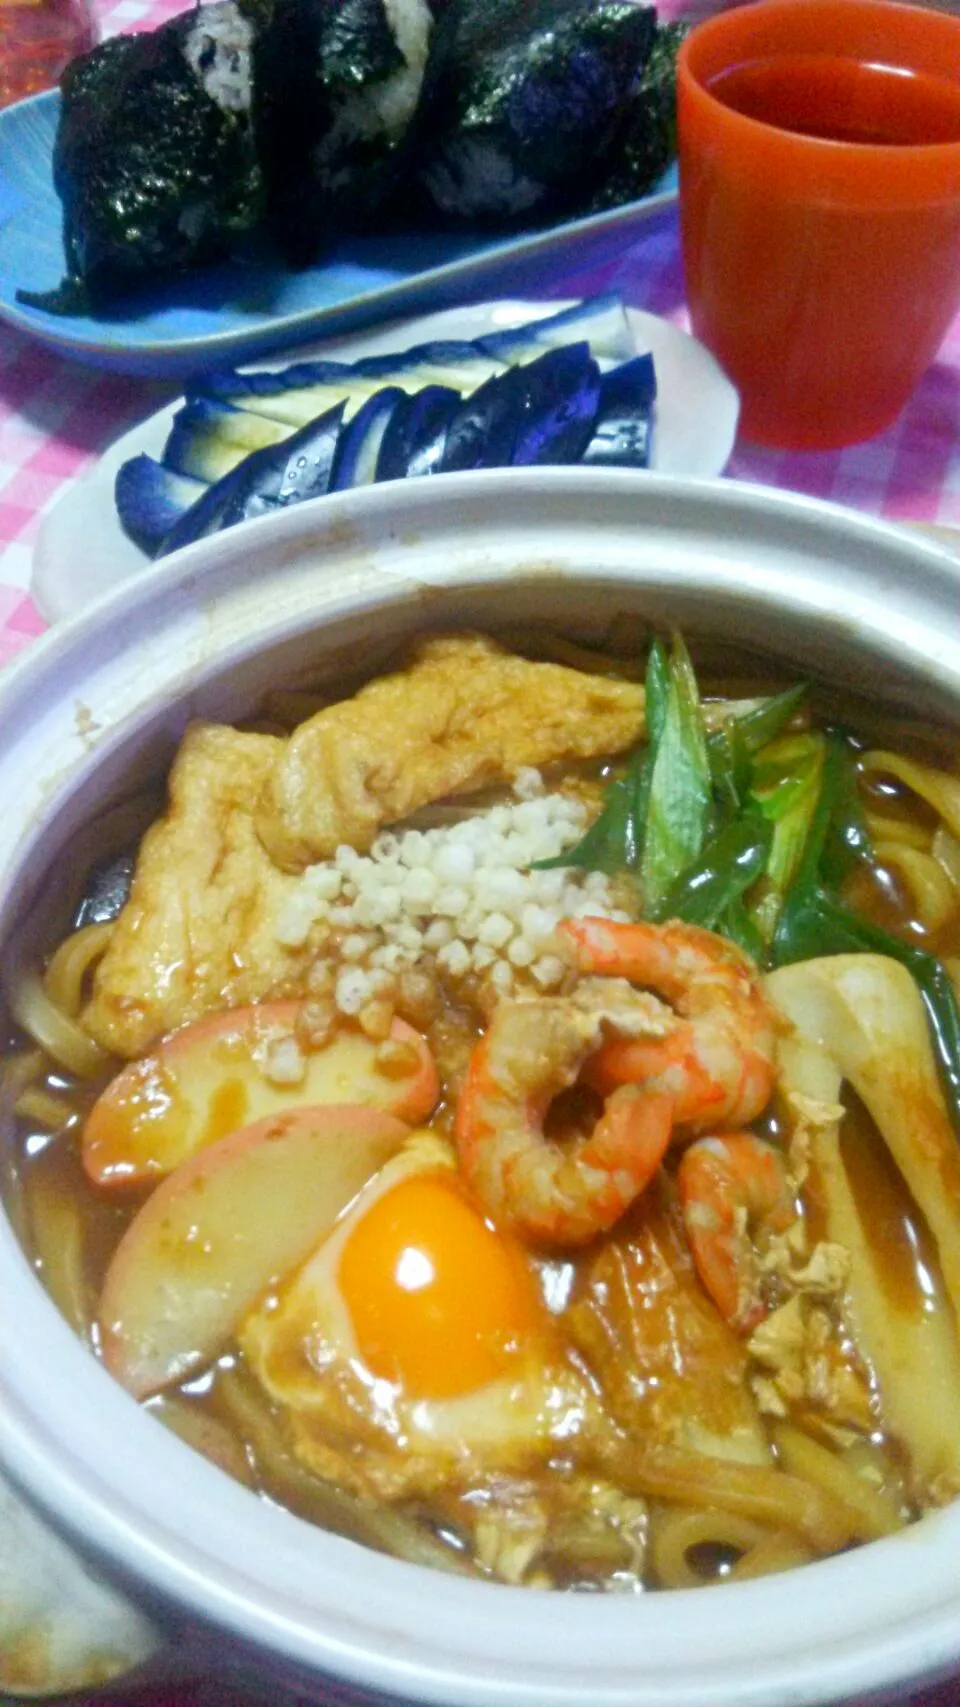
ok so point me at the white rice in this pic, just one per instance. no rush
(218, 50)
(410, 22)
(386, 108)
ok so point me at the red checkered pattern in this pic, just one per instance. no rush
(56, 417)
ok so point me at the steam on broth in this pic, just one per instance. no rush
(556, 1066)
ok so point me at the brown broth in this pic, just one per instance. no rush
(908, 1268)
(200, 1410)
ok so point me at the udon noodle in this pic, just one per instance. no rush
(651, 1276)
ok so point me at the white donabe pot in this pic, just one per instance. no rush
(334, 586)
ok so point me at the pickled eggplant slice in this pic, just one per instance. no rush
(297, 468)
(299, 393)
(208, 439)
(150, 500)
(358, 450)
(483, 432)
(416, 433)
(601, 321)
(623, 431)
(563, 389)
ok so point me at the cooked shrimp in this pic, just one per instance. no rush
(560, 1194)
(718, 1065)
(727, 1186)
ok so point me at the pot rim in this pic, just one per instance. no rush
(882, 1616)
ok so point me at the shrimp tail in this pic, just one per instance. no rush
(729, 1186)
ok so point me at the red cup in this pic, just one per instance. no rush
(819, 145)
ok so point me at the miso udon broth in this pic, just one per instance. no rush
(718, 1339)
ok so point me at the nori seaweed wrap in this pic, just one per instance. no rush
(521, 97)
(312, 119)
(338, 85)
(646, 141)
(155, 159)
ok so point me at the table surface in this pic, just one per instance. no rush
(57, 417)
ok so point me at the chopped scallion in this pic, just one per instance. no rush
(730, 863)
(680, 797)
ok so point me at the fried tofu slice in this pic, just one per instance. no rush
(246, 811)
(465, 714)
(198, 933)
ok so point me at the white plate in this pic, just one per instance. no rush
(82, 551)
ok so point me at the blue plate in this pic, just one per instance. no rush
(222, 315)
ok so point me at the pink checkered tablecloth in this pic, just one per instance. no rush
(56, 417)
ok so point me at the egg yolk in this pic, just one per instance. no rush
(440, 1303)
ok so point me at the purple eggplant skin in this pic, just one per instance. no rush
(206, 516)
(310, 457)
(623, 435)
(483, 431)
(416, 433)
(297, 468)
(230, 385)
(358, 449)
(150, 499)
(542, 412)
(559, 410)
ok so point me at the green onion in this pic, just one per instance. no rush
(680, 797)
(847, 839)
(731, 748)
(786, 771)
(610, 843)
(791, 923)
(730, 863)
(729, 771)
(614, 841)
(735, 922)
(787, 782)
(758, 727)
(658, 690)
